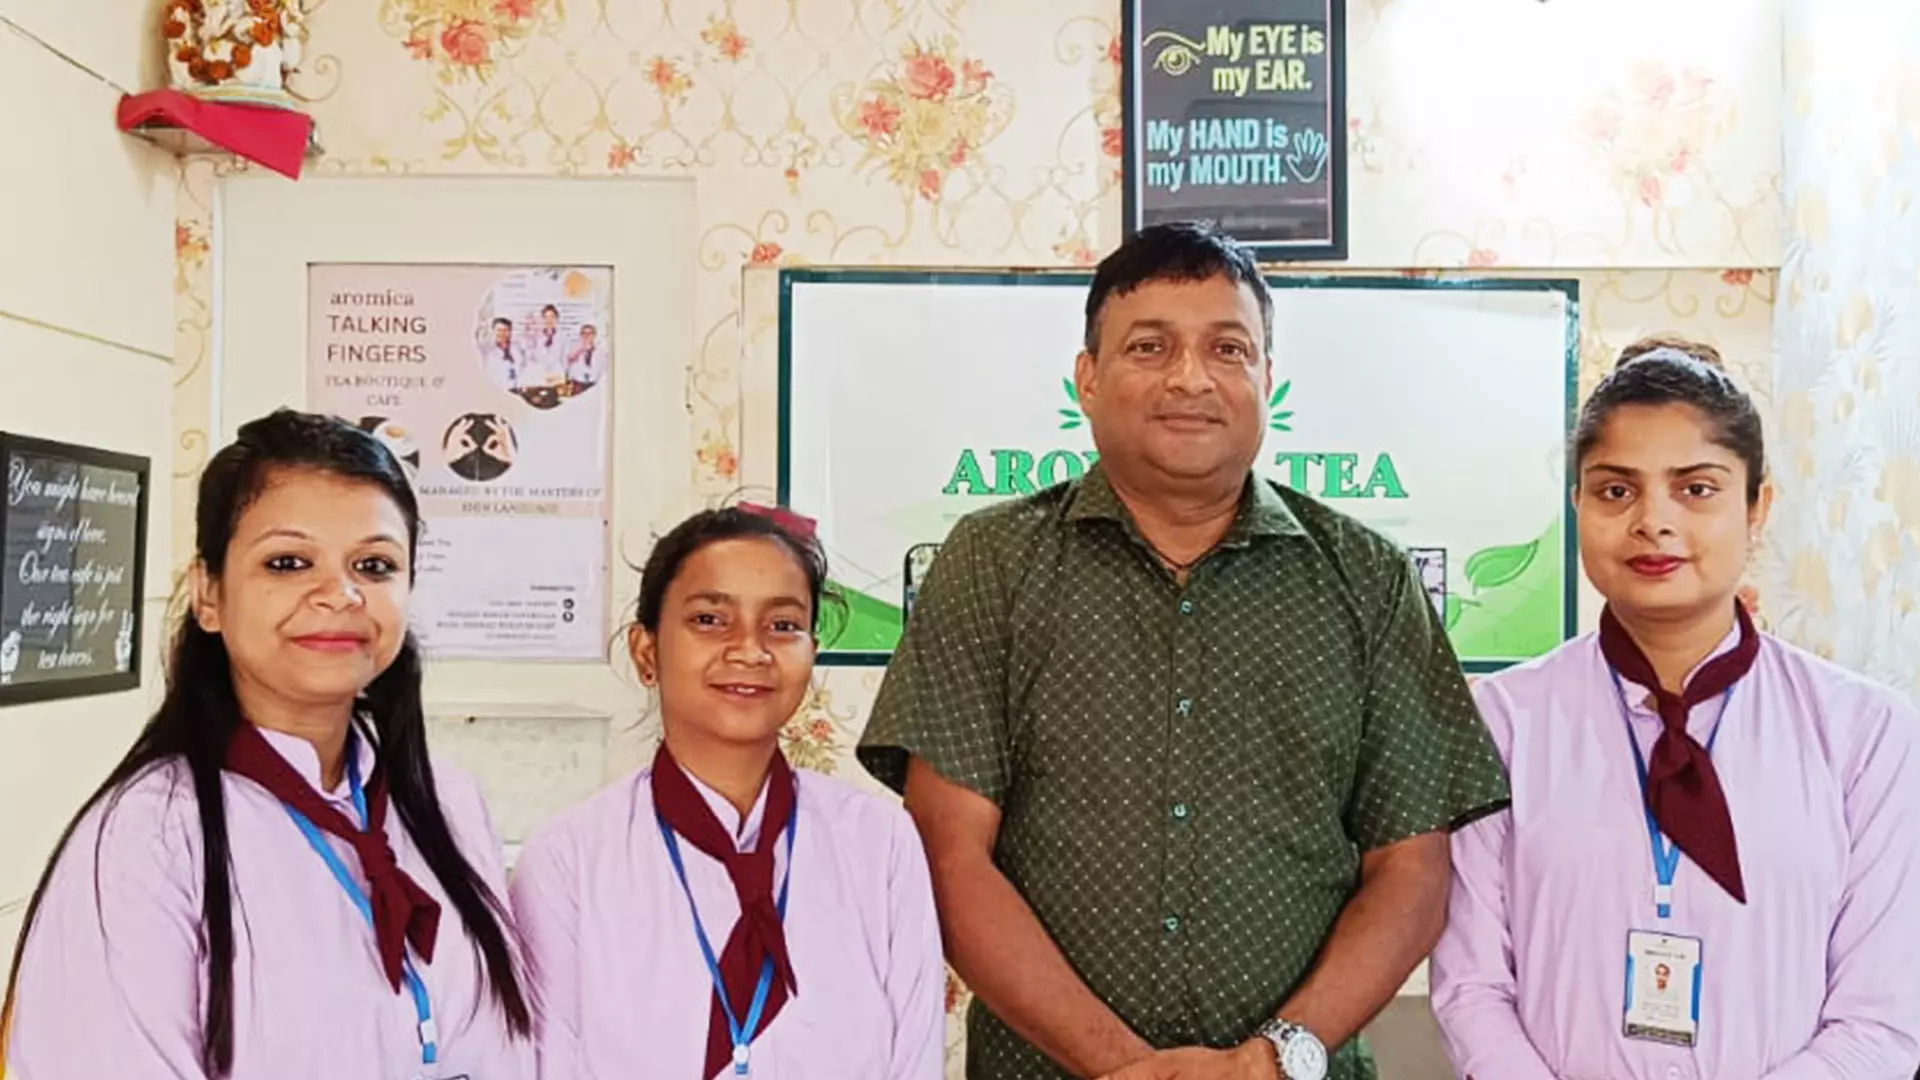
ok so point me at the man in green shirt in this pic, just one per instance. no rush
(1184, 745)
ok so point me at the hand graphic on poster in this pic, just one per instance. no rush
(480, 446)
(123, 642)
(1309, 157)
(9, 656)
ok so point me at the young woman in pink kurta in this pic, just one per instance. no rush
(1711, 867)
(660, 912)
(275, 883)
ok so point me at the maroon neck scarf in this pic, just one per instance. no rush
(1683, 790)
(759, 933)
(403, 912)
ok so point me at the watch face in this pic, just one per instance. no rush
(1304, 1058)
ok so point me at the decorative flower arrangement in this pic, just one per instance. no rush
(463, 36)
(927, 117)
(233, 49)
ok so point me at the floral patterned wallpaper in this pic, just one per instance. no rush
(1843, 572)
(987, 133)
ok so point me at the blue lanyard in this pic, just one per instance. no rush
(740, 1034)
(422, 1006)
(1666, 855)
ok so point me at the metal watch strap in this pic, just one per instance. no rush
(1281, 1033)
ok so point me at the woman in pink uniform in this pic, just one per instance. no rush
(1711, 867)
(274, 884)
(721, 914)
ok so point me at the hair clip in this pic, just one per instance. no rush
(798, 524)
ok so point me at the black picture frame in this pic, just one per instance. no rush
(1267, 247)
(55, 689)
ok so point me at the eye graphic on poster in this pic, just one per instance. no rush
(480, 446)
(538, 335)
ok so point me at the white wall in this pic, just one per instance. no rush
(86, 339)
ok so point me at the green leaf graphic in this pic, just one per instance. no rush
(1453, 610)
(1280, 395)
(1496, 566)
(1073, 392)
(1069, 425)
(1279, 420)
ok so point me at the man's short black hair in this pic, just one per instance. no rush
(1176, 251)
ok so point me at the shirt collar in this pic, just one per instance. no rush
(1640, 698)
(745, 834)
(300, 754)
(1262, 511)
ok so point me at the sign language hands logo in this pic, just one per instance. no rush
(480, 447)
(1308, 158)
(9, 656)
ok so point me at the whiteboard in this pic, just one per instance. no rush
(1436, 411)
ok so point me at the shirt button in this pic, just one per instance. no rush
(1185, 706)
(1186, 607)
(1180, 811)
(1172, 923)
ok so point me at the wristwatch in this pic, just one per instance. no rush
(1302, 1057)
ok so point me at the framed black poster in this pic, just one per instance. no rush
(1236, 113)
(73, 552)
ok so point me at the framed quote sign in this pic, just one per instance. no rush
(73, 537)
(1235, 113)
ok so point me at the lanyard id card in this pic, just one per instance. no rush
(1663, 988)
(416, 986)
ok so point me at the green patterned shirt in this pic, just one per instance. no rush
(1187, 777)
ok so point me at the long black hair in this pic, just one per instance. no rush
(1669, 370)
(199, 714)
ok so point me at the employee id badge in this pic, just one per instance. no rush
(1663, 988)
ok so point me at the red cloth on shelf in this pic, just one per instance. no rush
(276, 138)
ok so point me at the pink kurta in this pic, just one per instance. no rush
(624, 991)
(112, 987)
(1815, 978)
